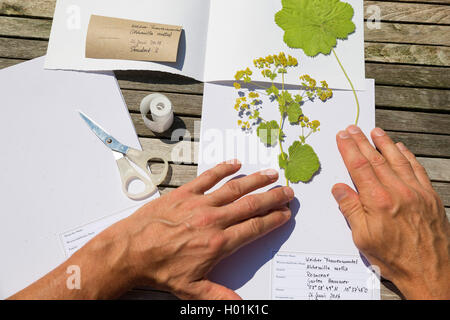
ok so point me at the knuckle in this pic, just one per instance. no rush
(377, 160)
(216, 242)
(383, 199)
(210, 174)
(256, 226)
(234, 187)
(250, 203)
(409, 195)
(360, 163)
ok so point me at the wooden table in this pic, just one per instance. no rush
(409, 56)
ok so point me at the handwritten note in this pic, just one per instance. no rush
(114, 38)
(306, 276)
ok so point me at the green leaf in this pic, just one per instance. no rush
(268, 132)
(314, 25)
(283, 160)
(303, 163)
(294, 112)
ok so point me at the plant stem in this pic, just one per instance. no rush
(351, 84)
(279, 142)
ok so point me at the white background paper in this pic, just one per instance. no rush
(318, 226)
(221, 37)
(243, 30)
(56, 174)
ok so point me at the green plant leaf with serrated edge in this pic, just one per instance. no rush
(294, 112)
(268, 132)
(303, 163)
(314, 25)
(283, 160)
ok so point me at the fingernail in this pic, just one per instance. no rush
(232, 161)
(286, 211)
(353, 129)
(339, 194)
(379, 132)
(401, 146)
(343, 135)
(271, 173)
(288, 192)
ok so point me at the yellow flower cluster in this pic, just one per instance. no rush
(239, 103)
(253, 94)
(243, 74)
(324, 93)
(278, 60)
(244, 124)
(313, 125)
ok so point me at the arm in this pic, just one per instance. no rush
(398, 221)
(173, 242)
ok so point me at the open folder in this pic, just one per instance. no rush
(219, 38)
(59, 184)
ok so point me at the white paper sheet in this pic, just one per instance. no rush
(242, 30)
(56, 174)
(66, 49)
(220, 37)
(317, 225)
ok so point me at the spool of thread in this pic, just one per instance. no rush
(160, 109)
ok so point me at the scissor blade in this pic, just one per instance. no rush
(105, 137)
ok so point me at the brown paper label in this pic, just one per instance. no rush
(114, 38)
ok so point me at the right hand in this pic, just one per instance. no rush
(174, 241)
(398, 221)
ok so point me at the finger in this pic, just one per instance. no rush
(236, 188)
(418, 169)
(207, 290)
(211, 177)
(241, 234)
(398, 162)
(254, 205)
(357, 165)
(379, 164)
(349, 204)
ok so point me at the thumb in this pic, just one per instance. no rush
(349, 203)
(208, 290)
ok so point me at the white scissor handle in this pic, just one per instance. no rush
(129, 174)
(141, 159)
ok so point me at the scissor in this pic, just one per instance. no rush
(123, 154)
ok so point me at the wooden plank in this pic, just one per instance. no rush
(421, 1)
(186, 152)
(408, 75)
(410, 12)
(25, 27)
(388, 32)
(184, 126)
(403, 53)
(391, 97)
(375, 52)
(408, 33)
(437, 169)
(35, 8)
(424, 145)
(412, 98)
(443, 189)
(22, 48)
(413, 121)
(158, 81)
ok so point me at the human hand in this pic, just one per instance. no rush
(173, 242)
(398, 221)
